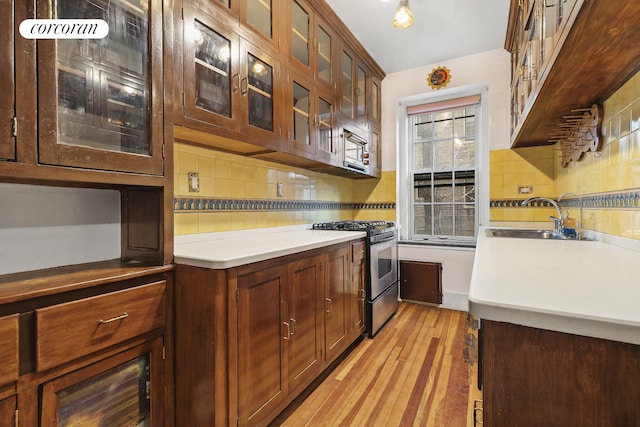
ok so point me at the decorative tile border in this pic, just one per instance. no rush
(198, 204)
(628, 199)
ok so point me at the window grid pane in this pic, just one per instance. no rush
(444, 162)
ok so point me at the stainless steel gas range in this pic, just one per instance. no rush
(382, 274)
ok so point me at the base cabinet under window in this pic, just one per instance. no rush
(421, 281)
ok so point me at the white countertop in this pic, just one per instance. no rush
(233, 248)
(586, 288)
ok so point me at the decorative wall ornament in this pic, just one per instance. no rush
(579, 133)
(439, 77)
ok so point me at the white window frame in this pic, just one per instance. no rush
(404, 175)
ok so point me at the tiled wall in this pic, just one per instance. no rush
(240, 193)
(608, 181)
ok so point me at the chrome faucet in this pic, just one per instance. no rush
(557, 222)
(579, 229)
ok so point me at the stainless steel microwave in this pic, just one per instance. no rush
(356, 150)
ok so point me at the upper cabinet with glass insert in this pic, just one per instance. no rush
(100, 101)
(567, 55)
(354, 99)
(311, 43)
(228, 81)
(259, 17)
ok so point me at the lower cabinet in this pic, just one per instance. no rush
(536, 377)
(86, 355)
(8, 408)
(249, 339)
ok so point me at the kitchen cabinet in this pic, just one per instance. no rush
(559, 48)
(263, 332)
(228, 81)
(357, 288)
(81, 331)
(305, 321)
(100, 101)
(257, 19)
(310, 118)
(532, 376)
(337, 290)
(354, 90)
(8, 412)
(7, 85)
(421, 281)
(263, 329)
(312, 44)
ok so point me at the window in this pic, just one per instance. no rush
(440, 149)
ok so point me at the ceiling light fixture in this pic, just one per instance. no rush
(403, 18)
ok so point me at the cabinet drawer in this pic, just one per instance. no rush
(70, 330)
(357, 251)
(8, 349)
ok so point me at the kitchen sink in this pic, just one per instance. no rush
(527, 234)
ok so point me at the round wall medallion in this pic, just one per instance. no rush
(439, 77)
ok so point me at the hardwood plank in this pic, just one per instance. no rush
(420, 370)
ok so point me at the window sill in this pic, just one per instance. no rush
(446, 244)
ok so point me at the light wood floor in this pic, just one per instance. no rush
(420, 370)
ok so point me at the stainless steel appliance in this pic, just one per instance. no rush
(356, 150)
(382, 274)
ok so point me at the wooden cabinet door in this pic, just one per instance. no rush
(300, 107)
(8, 409)
(357, 296)
(421, 281)
(211, 70)
(305, 320)
(100, 101)
(261, 92)
(263, 329)
(8, 82)
(263, 18)
(337, 272)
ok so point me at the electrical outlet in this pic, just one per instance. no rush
(525, 190)
(280, 190)
(194, 182)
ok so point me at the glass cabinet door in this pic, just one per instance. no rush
(123, 390)
(327, 144)
(211, 70)
(301, 115)
(360, 96)
(96, 96)
(375, 106)
(261, 93)
(300, 34)
(7, 84)
(324, 55)
(347, 85)
(262, 17)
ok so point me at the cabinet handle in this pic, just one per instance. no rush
(477, 408)
(363, 294)
(295, 326)
(286, 337)
(234, 83)
(114, 319)
(243, 86)
(90, 95)
(330, 305)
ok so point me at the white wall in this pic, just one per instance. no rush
(43, 227)
(492, 68)
(457, 264)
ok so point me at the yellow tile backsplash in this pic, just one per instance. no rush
(246, 180)
(609, 179)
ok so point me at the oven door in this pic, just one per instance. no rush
(384, 266)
